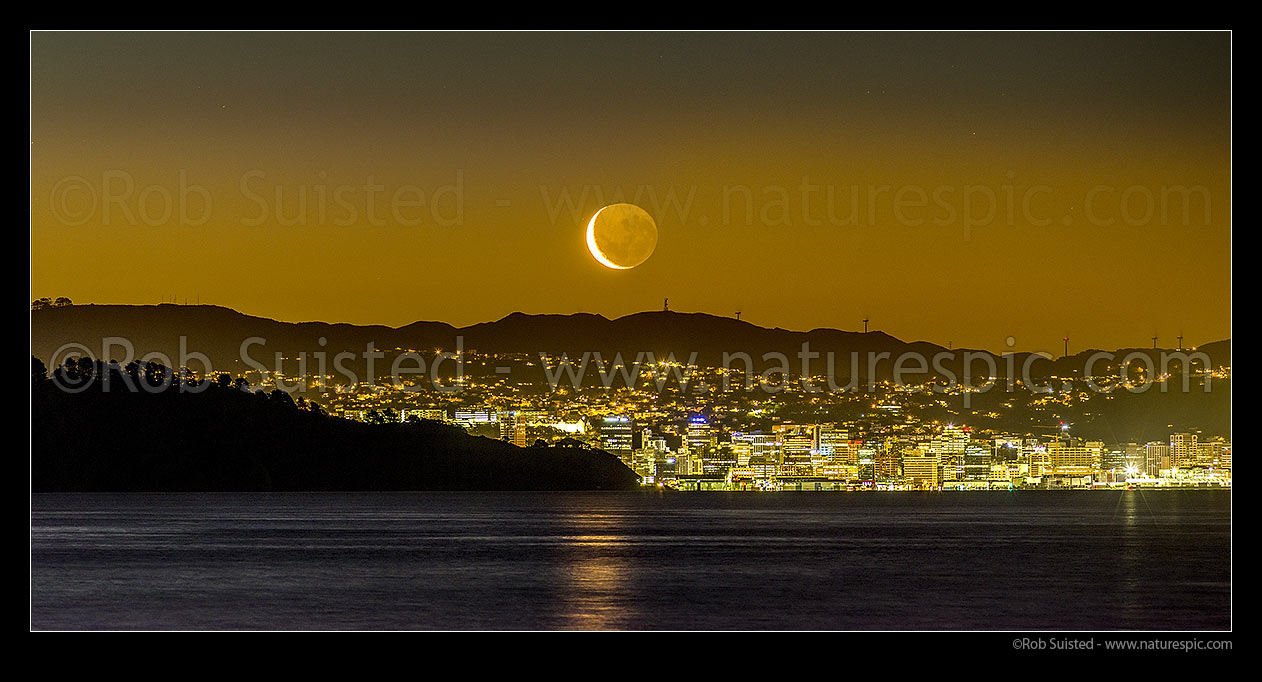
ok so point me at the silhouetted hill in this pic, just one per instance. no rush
(223, 438)
(219, 333)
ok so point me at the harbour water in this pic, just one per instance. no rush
(1020, 560)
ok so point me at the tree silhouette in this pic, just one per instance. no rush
(281, 398)
(39, 373)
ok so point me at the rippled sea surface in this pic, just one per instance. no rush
(1023, 560)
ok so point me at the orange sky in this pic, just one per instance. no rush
(1029, 186)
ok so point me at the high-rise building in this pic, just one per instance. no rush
(1158, 457)
(1210, 453)
(889, 460)
(949, 447)
(798, 446)
(719, 459)
(834, 444)
(922, 469)
(511, 428)
(746, 446)
(699, 436)
(1037, 459)
(867, 463)
(1113, 459)
(976, 462)
(1183, 450)
(1075, 460)
(615, 435)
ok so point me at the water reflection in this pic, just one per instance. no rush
(597, 594)
(1130, 551)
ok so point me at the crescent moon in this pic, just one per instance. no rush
(621, 238)
(591, 244)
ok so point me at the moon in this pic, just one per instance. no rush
(621, 236)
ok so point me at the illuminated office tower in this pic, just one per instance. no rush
(512, 429)
(1037, 457)
(699, 436)
(1158, 457)
(746, 446)
(949, 447)
(669, 466)
(1075, 460)
(615, 435)
(719, 459)
(834, 443)
(797, 446)
(644, 460)
(1113, 459)
(976, 462)
(1183, 450)
(1210, 453)
(867, 463)
(922, 469)
(889, 461)
(742, 447)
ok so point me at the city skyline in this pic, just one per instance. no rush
(876, 331)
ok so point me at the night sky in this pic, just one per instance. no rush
(961, 187)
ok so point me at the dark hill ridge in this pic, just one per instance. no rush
(226, 439)
(219, 332)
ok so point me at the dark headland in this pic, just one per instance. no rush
(223, 436)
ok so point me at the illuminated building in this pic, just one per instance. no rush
(867, 464)
(889, 461)
(976, 463)
(1157, 455)
(432, 415)
(511, 428)
(699, 437)
(1211, 453)
(1135, 457)
(615, 435)
(1183, 450)
(1072, 460)
(834, 445)
(922, 469)
(746, 446)
(1037, 459)
(949, 447)
(469, 416)
(719, 459)
(797, 447)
